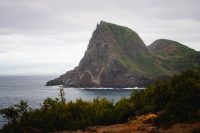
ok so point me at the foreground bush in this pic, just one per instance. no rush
(55, 114)
(176, 99)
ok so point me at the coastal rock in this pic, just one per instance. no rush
(117, 57)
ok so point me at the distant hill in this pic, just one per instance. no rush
(116, 56)
(173, 56)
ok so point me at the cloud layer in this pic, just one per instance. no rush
(50, 36)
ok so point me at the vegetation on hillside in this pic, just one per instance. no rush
(175, 100)
(173, 56)
(163, 57)
(124, 35)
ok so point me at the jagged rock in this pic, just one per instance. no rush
(117, 57)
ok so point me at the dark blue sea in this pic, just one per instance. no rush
(33, 90)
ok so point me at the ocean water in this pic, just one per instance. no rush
(33, 90)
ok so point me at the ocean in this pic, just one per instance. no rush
(33, 90)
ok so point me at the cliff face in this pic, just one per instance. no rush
(116, 57)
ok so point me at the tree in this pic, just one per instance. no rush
(62, 94)
(22, 107)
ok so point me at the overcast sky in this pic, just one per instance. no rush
(51, 36)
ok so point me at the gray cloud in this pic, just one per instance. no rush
(76, 15)
(58, 30)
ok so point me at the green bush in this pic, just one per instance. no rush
(123, 110)
(177, 98)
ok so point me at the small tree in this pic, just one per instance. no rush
(62, 94)
(49, 103)
(22, 107)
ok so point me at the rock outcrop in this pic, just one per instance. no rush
(117, 57)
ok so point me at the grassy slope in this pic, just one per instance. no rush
(167, 60)
(142, 63)
(122, 35)
(175, 56)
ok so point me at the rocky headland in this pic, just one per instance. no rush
(116, 56)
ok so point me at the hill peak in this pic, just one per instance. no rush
(124, 36)
(166, 44)
(121, 39)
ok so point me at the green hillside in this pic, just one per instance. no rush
(162, 57)
(173, 55)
